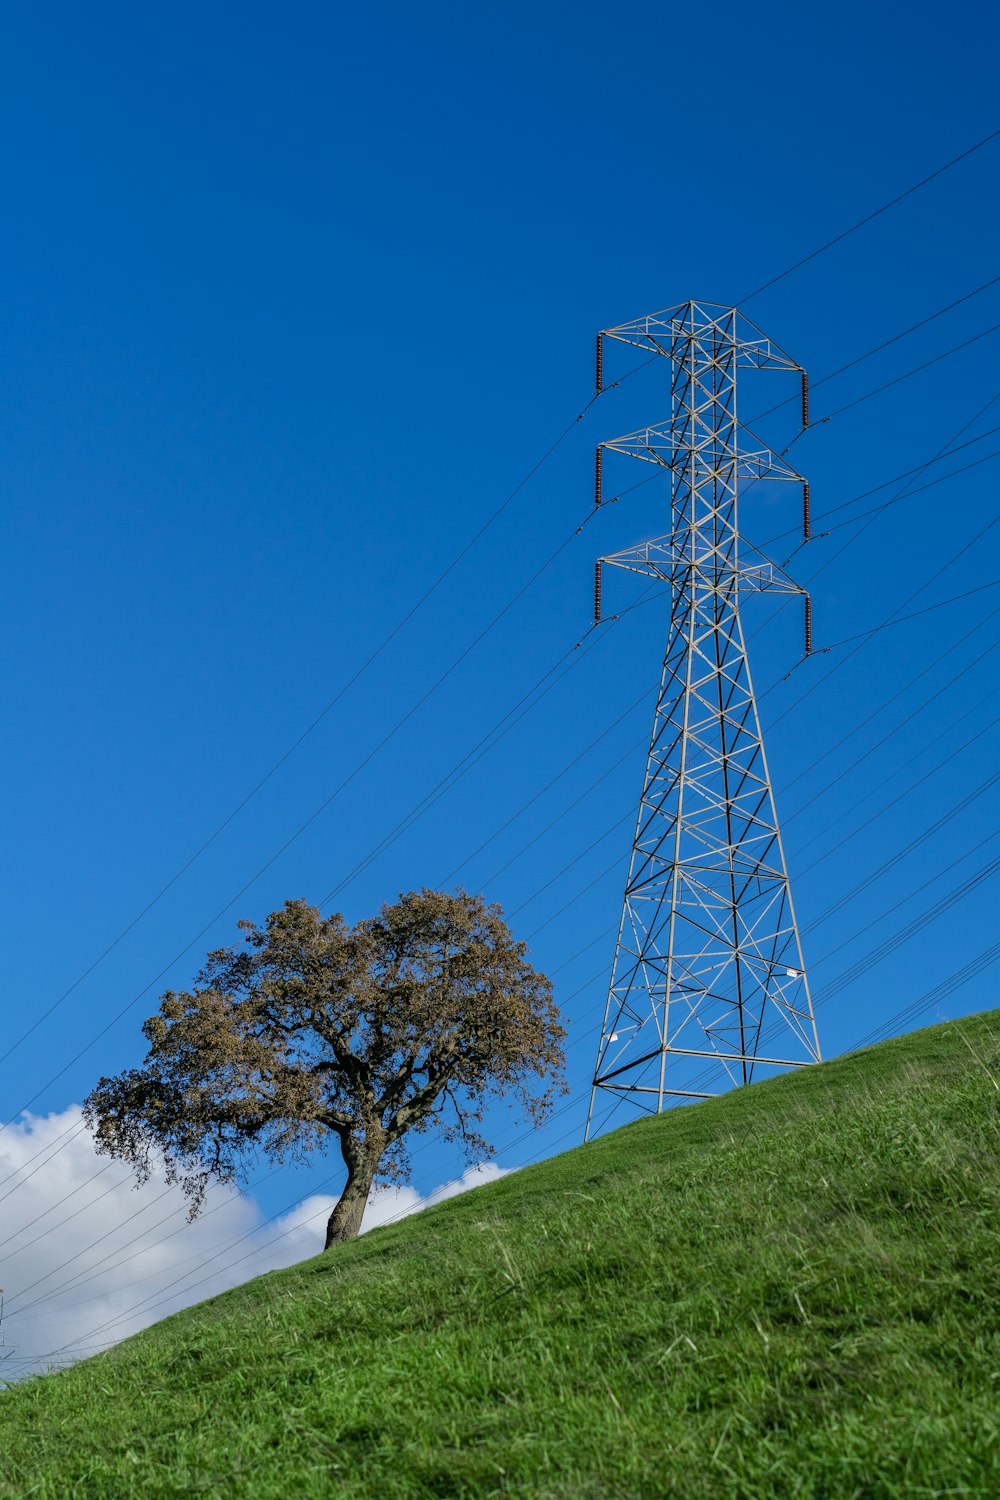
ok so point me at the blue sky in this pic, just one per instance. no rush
(291, 300)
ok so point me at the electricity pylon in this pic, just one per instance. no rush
(708, 988)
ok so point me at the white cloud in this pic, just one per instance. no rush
(86, 1263)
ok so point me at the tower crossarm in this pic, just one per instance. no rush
(704, 324)
(704, 457)
(673, 561)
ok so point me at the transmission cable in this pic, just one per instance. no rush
(229, 1245)
(289, 841)
(617, 861)
(618, 824)
(919, 923)
(885, 484)
(905, 619)
(201, 934)
(642, 698)
(917, 592)
(848, 405)
(896, 939)
(940, 991)
(842, 643)
(899, 938)
(885, 807)
(869, 217)
(369, 661)
(945, 688)
(135, 1001)
(820, 250)
(40, 1152)
(138, 996)
(663, 469)
(446, 783)
(75, 1282)
(83, 1338)
(947, 987)
(593, 787)
(303, 827)
(886, 344)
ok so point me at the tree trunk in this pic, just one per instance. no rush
(345, 1221)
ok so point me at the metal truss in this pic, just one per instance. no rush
(708, 988)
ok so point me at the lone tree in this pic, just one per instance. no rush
(405, 1022)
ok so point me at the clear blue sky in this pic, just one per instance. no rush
(291, 298)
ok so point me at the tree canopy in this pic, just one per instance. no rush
(408, 1021)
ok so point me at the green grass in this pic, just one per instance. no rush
(790, 1291)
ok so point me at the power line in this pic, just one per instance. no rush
(821, 250)
(462, 767)
(80, 1280)
(843, 642)
(866, 396)
(83, 1338)
(318, 812)
(941, 991)
(40, 1152)
(896, 941)
(917, 369)
(490, 522)
(886, 344)
(141, 1210)
(69, 1217)
(908, 849)
(954, 982)
(902, 935)
(311, 819)
(905, 619)
(565, 812)
(366, 664)
(589, 945)
(144, 1208)
(229, 1245)
(920, 923)
(603, 873)
(945, 688)
(925, 704)
(79, 1129)
(546, 788)
(282, 849)
(894, 479)
(936, 573)
(948, 760)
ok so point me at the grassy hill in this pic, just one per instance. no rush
(790, 1291)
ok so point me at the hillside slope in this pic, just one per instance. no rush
(789, 1291)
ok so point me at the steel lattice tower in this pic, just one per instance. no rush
(708, 988)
